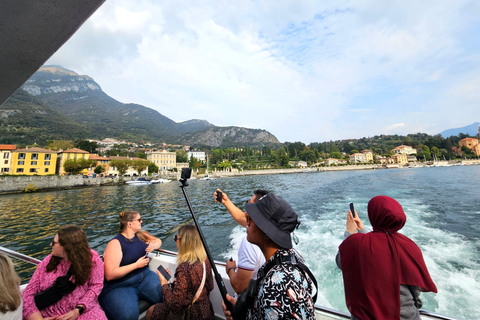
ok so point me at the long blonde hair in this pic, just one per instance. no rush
(10, 296)
(190, 248)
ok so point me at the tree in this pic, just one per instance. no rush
(224, 165)
(336, 155)
(59, 144)
(284, 161)
(140, 165)
(182, 156)
(308, 155)
(99, 169)
(152, 168)
(436, 152)
(193, 163)
(121, 165)
(354, 151)
(75, 166)
(86, 145)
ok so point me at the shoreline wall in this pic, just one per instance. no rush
(18, 184)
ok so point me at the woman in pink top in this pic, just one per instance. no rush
(70, 254)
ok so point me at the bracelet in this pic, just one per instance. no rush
(228, 271)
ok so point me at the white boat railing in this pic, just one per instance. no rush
(320, 312)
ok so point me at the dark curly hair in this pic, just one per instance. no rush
(74, 242)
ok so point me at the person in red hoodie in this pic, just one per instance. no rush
(383, 270)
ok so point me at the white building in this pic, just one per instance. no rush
(404, 150)
(358, 158)
(199, 155)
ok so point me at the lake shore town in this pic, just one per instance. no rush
(20, 184)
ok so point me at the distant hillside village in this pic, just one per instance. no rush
(149, 160)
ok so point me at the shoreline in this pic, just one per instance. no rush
(20, 184)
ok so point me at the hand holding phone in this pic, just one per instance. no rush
(352, 209)
(164, 272)
(219, 196)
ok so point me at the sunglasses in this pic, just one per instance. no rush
(139, 220)
(54, 242)
(176, 238)
(248, 219)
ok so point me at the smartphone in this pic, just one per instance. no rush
(164, 272)
(352, 209)
(219, 196)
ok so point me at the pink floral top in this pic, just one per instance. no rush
(86, 294)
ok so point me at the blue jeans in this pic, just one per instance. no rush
(120, 300)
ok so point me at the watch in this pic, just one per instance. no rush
(80, 309)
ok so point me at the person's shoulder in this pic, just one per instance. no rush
(45, 261)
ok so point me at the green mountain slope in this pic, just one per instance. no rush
(26, 120)
(83, 110)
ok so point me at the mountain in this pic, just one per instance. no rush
(26, 120)
(77, 100)
(218, 136)
(471, 130)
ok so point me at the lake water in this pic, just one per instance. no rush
(442, 207)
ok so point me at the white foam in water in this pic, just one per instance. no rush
(236, 237)
(451, 260)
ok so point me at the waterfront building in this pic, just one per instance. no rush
(34, 161)
(98, 161)
(163, 159)
(298, 164)
(69, 154)
(368, 155)
(470, 143)
(358, 158)
(402, 149)
(199, 155)
(400, 158)
(6, 158)
(180, 165)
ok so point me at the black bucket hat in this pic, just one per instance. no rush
(274, 216)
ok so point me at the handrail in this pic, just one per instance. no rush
(34, 261)
(322, 308)
(19, 256)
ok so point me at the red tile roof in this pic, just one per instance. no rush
(8, 147)
(74, 150)
(36, 149)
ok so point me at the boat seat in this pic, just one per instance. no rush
(143, 305)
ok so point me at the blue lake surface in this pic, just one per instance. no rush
(442, 206)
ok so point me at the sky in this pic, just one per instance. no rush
(308, 71)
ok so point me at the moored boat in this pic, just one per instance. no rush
(138, 182)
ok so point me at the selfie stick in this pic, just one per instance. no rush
(218, 277)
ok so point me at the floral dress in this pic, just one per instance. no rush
(188, 278)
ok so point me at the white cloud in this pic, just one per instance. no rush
(307, 71)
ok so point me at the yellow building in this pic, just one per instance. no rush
(471, 143)
(400, 158)
(368, 155)
(163, 159)
(73, 153)
(34, 161)
(6, 158)
(181, 165)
